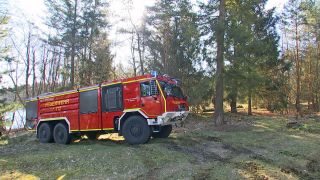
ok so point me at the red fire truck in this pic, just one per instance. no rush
(136, 108)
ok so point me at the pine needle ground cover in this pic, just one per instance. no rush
(247, 147)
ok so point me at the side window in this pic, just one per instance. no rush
(89, 101)
(148, 88)
(31, 110)
(112, 98)
(145, 89)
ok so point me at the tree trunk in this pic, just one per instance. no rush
(73, 45)
(250, 103)
(14, 81)
(316, 96)
(310, 84)
(233, 103)
(44, 74)
(33, 72)
(132, 54)
(57, 71)
(50, 73)
(65, 75)
(12, 121)
(218, 114)
(140, 53)
(166, 45)
(28, 63)
(298, 73)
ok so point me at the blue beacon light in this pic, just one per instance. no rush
(154, 73)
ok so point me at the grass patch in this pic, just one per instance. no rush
(255, 147)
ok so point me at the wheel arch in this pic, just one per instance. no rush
(127, 114)
(53, 121)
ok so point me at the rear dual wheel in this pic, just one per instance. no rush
(45, 133)
(61, 134)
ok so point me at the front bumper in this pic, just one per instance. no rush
(168, 118)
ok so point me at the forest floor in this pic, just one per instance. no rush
(247, 147)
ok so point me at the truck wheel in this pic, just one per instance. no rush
(61, 134)
(164, 132)
(136, 130)
(45, 133)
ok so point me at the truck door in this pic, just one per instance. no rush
(89, 114)
(112, 105)
(151, 102)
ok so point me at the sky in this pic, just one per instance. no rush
(35, 11)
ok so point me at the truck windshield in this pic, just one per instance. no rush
(171, 90)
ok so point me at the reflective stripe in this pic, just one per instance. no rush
(111, 84)
(60, 94)
(131, 110)
(90, 130)
(164, 99)
(136, 80)
(88, 89)
(54, 119)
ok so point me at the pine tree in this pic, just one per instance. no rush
(3, 57)
(79, 26)
(251, 41)
(64, 18)
(173, 44)
(295, 19)
(220, 33)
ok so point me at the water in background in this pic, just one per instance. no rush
(19, 119)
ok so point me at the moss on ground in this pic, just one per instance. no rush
(256, 147)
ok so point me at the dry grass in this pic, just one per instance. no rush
(247, 147)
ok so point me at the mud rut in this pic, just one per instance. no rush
(212, 149)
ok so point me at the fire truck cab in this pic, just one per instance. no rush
(137, 108)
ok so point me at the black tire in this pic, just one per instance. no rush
(164, 132)
(92, 135)
(136, 130)
(61, 134)
(45, 133)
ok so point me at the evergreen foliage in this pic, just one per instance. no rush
(81, 29)
(237, 52)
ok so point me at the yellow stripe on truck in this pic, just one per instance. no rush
(164, 99)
